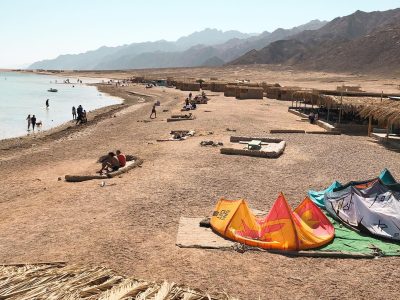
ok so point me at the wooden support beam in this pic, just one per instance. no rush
(369, 125)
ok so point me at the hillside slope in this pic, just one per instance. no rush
(358, 42)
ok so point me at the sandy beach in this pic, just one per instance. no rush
(130, 224)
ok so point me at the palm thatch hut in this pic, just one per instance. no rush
(273, 92)
(205, 86)
(189, 86)
(247, 92)
(355, 113)
(217, 86)
(230, 90)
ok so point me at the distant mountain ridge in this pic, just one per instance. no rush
(209, 47)
(368, 42)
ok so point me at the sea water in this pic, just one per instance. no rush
(22, 94)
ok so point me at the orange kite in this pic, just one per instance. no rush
(282, 229)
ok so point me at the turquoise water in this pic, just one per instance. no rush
(23, 94)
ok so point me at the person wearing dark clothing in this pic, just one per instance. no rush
(153, 111)
(73, 112)
(80, 114)
(47, 103)
(33, 122)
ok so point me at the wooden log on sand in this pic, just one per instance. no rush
(286, 131)
(129, 166)
(179, 119)
(237, 139)
(324, 132)
(80, 178)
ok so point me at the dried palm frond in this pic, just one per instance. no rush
(71, 282)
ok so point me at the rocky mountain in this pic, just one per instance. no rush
(120, 56)
(358, 42)
(209, 47)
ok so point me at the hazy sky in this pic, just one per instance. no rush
(32, 30)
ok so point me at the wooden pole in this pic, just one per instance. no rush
(381, 95)
(387, 131)
(340, 109)
(327, 117)
(369, 125)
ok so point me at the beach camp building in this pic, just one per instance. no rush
(189, 86)
(230, 90)
(248, 92)
(217, 86)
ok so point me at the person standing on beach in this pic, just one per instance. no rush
(153, 111)
(33, 121)
(73, 113)
(29, 122)
(80, 114)
(47, 103)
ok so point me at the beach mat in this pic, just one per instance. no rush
(271, 150)
(346, 244)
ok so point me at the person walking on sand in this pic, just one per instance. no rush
(47, 103)
(153, 111)
(29, 122)
(73, 113)
(33, 122)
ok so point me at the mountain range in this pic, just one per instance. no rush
(209, 47)
(360, 42)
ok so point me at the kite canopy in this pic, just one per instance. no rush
(385, 178)
(282, 229)
(374, 209)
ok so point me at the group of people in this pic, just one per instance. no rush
(189, 104)
(112, 162)
(79, 114)
(31, 122)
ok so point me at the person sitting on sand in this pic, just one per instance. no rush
(110, 163)
(121, 158)
(153, 111)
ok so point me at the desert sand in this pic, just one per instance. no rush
(130, 224)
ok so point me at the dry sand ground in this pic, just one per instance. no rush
(131, 224)
(286, 76)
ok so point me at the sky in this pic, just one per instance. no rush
(32, 30)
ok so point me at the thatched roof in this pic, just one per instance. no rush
(381, 110)
(57, 281)
(387, 111)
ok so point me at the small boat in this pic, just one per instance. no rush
(52, 90)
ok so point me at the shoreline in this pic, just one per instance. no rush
(67, 128)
